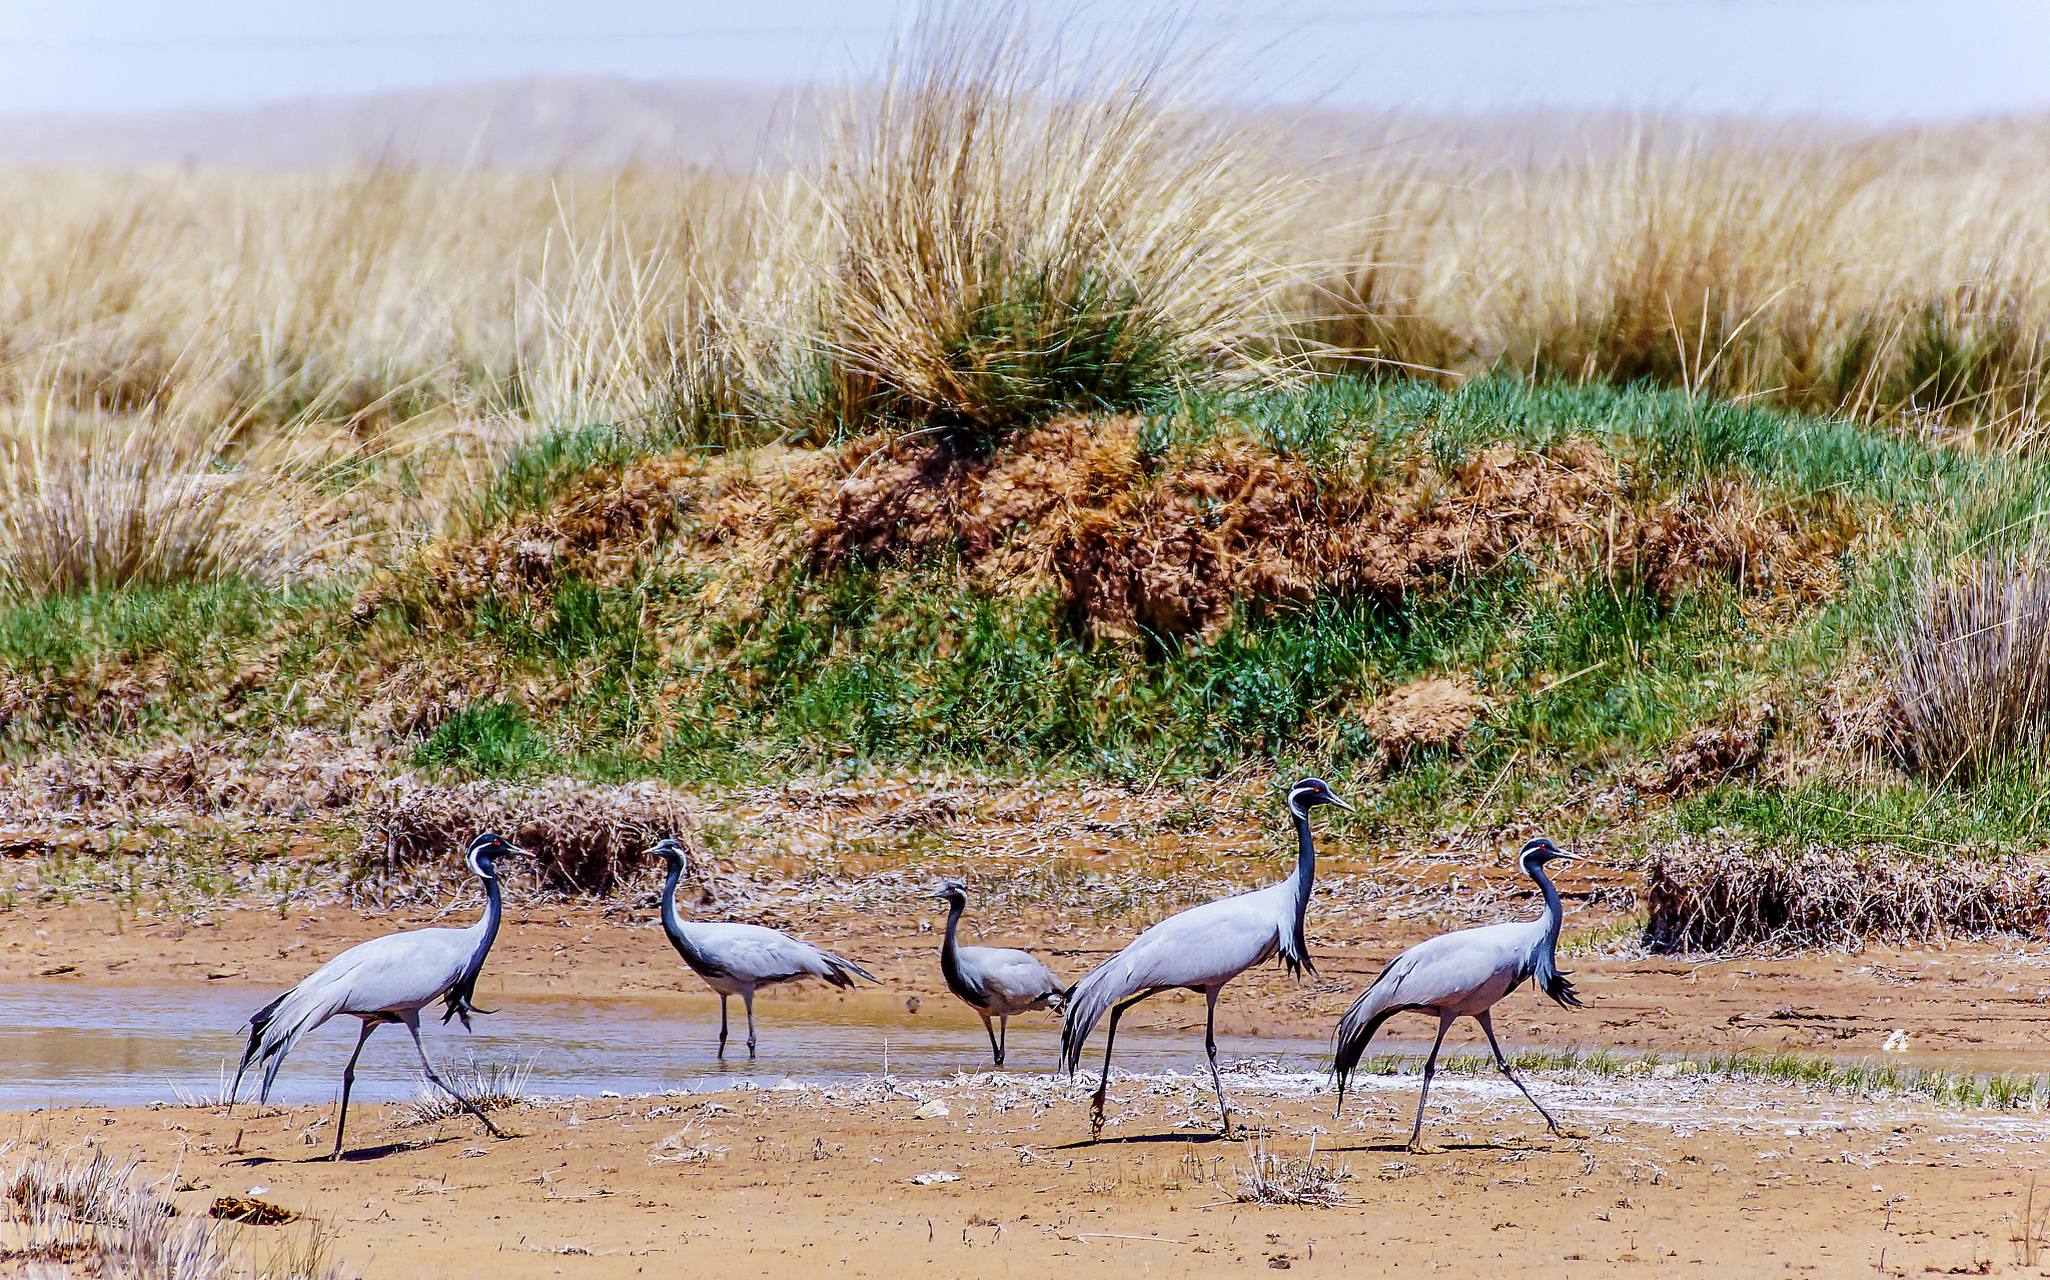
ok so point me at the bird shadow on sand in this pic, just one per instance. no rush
(1397, 1146)
(1138, 1139)
(355, 1154)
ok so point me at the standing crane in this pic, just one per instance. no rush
(1202, 949)
(735, 959)
(996, 982)
(1461, 975)
(388, 979)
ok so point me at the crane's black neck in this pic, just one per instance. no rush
(1305, 876)
(1543, 964)
(950, 956)
(459, 996)
(1554, 913)
(672, 924)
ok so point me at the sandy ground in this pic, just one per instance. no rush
(1696, 1176)
(1712, 1176)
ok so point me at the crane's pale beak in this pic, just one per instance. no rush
(1329, 798)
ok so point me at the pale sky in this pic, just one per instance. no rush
(1867, 59)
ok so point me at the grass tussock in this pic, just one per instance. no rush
(1012, 227)
(492, 1086)
(1270, 1179)
(1708, 897)
(1971, 664)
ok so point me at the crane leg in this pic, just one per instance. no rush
(1430, 1069)
(996, 1050)
(723, 998)
(1110, 1036)
(1488, 1025)
(348, 1079)
(1003, 1036)
(1210, 1047)
(748, 998)
(412, 1021)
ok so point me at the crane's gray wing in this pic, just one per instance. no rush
(1011, 981)
(399, 971)
(757, 954)
(1471, 967)
(1203, 946)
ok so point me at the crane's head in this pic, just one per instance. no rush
(953, 892)
(670, 852)
(486, 850)
(1537, 851)
(1311, 792)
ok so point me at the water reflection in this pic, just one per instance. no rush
(115, 1046)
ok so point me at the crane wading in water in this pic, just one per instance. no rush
(388, 979)
(1461, 975)
(1202, 949)
(734, 959)
(996, 982)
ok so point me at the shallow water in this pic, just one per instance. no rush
(116, 1046)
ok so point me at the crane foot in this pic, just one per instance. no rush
(1422, 1149)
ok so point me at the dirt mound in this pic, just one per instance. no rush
(1707, 898)
(1433, 712)
(585, 839)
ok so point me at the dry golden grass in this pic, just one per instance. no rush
(1885, 274)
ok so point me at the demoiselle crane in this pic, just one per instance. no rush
(1202, 949)
(996, 982)
(388, 979)
(735, 959)
(1461, 975)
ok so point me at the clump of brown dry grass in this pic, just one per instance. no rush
(301, 771)
(1706, 897)
(1274, 1179)
(94, 1215)
(491, 1086)
(1970, 662)
(585, 839)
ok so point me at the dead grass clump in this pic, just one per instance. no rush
(493, 1086)
(1275, 1179)
(1434, 712)
(303, 771)
(585, 839)
(250, 1211)
(1724, 530)
(1707, 898)
(135, 504)
(1172, 552)
(96, 1215)
(1716, 753)
(1971, 666)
